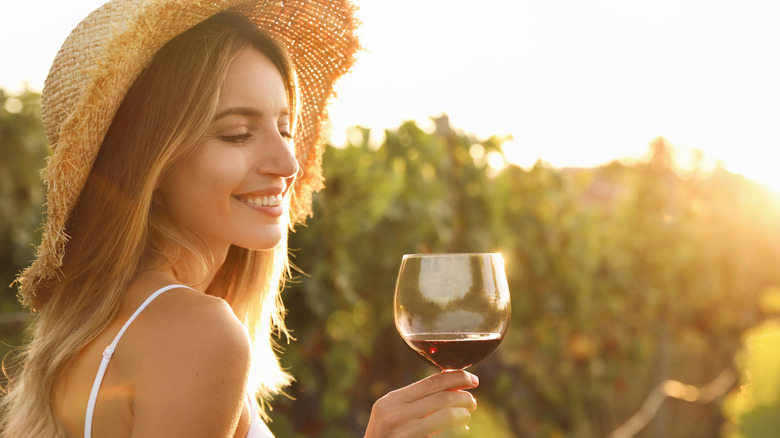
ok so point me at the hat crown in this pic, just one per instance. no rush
(107, 40)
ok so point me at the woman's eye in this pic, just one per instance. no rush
(240, 138)
(284, 130)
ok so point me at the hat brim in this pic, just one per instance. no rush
(108, 50)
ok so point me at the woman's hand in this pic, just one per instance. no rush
(433, 404)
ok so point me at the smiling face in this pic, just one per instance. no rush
(234, 188)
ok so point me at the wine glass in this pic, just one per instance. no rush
(452, 309)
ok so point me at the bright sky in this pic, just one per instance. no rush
(575, 82)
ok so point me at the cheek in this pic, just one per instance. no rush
(200, 188)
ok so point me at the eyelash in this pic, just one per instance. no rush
(242, 138)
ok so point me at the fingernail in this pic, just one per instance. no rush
(474, 380)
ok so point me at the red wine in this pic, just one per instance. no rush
(453, 351)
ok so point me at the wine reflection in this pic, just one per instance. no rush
(451, 293)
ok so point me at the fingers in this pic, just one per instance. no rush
(445, 422)
(446, 381)
(391, 407)
(459, 399)
(455, 432)
(449, 422)
(430, 406)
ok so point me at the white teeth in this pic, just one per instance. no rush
(265, 201)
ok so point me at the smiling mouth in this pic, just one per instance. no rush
(263, 201)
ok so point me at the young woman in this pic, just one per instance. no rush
(186, 142)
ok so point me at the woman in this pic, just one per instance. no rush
(172, 186)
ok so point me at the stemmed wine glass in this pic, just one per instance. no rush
(452, 309)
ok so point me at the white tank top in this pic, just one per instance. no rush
(257, 428)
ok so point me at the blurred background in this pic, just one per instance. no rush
(618, 154)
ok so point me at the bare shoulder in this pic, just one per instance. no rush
(183, 319)
(192, 362)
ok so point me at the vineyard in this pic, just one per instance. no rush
(634, 285)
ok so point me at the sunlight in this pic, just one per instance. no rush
(576, 84)
(763, 171)
(770, 181)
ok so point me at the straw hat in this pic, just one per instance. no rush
(107, 51)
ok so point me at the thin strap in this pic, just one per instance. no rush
(257, 428)
(108, 352)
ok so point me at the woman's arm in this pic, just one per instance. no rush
(192, 381)
(433, 404)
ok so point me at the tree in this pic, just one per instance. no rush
(23, 148)
(622, 276)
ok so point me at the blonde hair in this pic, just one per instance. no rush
(116, 226)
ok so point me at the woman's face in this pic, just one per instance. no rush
(235, 187)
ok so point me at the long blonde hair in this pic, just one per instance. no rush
(117, 227)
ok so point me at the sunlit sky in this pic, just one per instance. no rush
(574, 82)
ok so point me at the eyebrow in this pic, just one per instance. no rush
(249, 112)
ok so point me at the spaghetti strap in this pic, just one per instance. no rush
(109, 351)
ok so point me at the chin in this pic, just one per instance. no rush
(265, 242)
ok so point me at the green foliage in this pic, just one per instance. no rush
(621, 277)
(22, 148)
(753, 408)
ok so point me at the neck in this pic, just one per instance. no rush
(191, 270)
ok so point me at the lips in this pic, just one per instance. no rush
(262, 201)
(270, 202)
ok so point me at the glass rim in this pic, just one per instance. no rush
(451, 254)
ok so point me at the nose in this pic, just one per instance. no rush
(277, 157)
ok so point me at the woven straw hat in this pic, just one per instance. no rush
(107, 51)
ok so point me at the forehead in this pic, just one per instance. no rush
(252, 80)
